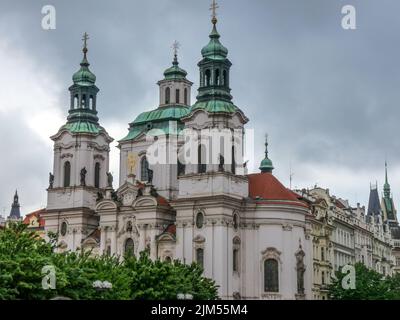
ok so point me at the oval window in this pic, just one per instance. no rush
(199, 220)
(63, 228)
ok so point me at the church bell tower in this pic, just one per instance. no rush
(81, 163)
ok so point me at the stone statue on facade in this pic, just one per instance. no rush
(83, 176)
(99, 196)
(110, 180)
(300, 268)
(51, 180)
(221, 163)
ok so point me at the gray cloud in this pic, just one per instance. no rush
(327, 97)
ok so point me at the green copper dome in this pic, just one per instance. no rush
(266, 163)
(158, 119)
(214, 49)
(173, 112)
(215, 106)
(84, 77)
(175, 72)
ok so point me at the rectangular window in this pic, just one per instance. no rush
(235, 260)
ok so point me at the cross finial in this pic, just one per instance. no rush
(85, 39)
(214, 6)
(175, 46)
(266, 145)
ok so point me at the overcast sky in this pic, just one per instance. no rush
(328, 97)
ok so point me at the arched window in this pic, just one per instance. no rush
(271, 275)
(201, 159)
(97, 175)
(235, 260)
(167, 95)
(177, 94)
(217, 78)
(91, 102)
(108, 250)
(233, 164)
(235, 221)
(208, 77)
(322, 254)
(168, 259)
(144, 166)
(129, 247)
(76, 102)
(83, 102)
(185, 97)
(67, 174)
(200, 257)
(224, 78)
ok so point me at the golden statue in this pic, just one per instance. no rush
(132, 161)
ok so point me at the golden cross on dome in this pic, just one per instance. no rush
(175, 46)
(214, 6)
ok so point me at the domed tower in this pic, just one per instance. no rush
(81, 163)
(219, 123)
(158, 129)
(211, 195)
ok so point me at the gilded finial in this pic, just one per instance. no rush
(214, 6)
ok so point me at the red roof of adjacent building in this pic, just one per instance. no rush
(264, 186)
(38, 215)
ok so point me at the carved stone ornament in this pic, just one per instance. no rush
(287, 227)
(66, 155)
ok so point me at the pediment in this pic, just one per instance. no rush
(145, 201)
(105, 205)
(128, 193)
(166, 237)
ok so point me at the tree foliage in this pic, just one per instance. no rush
(23, 254)
(369, 285)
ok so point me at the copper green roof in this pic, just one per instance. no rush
(215, 106)
(157, 119)
(266, 163)
(214, 49)
(82, 127)
(84, 77)
(171, 112)
(175, 72)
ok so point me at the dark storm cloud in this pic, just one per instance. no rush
(325, 95)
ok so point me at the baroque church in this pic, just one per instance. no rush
(247, 231)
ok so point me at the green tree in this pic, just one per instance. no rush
(23, 254)
(369, 285)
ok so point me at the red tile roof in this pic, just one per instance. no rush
(162, 201)
(264, 186)
(38, 215)
(171, 229)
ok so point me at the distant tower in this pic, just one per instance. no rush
(266, 164)
(81, 163)
(165, 122)
(15, 213)
(387, 204)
